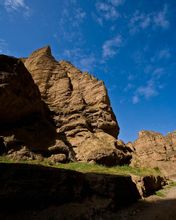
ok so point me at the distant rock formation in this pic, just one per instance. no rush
(65, 115)
(152, 149)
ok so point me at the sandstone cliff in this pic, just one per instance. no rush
(152, 149)
(64, 114)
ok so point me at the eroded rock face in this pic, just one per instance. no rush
(80, 108)
(78, 100)
(152, 149)
(65, 112)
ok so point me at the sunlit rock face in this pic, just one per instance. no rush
(74, 115)
(152, 149)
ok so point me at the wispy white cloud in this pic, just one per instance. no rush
(17, 5)
(135, 99)
(82, 59)
(3, 47)
(158, 72)
(116, 2)
(160, 18)
(107, 10)
(111, 47)
(129, 87)
(147, 91)
(163, 54)
(152, 87)
(141, 21)
(69, 24)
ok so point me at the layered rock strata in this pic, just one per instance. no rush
(55, 109)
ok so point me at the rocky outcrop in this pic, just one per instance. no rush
(148, 185)
(59, 112)
(152, 149)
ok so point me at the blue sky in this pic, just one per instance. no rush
(129, 44)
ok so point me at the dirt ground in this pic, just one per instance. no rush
(151, 208)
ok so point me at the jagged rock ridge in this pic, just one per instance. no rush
(73, 117)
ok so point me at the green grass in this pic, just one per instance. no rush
(118, 170)
(91, 168)
(162, 193)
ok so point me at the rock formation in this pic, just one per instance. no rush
(152, 149)
(65, 114)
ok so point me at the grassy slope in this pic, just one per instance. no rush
(93, 168)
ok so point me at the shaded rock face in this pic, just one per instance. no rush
(23, 115)
(58, 111)
(155, 150)
(19, 96)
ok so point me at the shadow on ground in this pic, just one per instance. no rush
(43, 193)
(38, 192)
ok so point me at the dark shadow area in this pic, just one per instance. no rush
(23, 114)
(150, 209)
(31, 189)
(35, 132)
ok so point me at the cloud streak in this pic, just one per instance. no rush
(82, 59)
(141, 21)
(151, 88)
(3, 47)
(111, 47)
(17, 6)
(107, 10)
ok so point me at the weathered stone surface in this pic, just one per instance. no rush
(23, 154)
(57, 158)
(78, 100)
(65, 111)
(152, 149)
(80, 109)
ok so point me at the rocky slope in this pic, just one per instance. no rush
(63, 114)
(152, 149)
